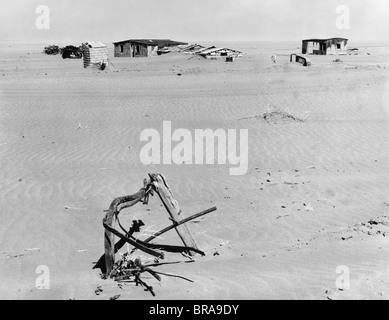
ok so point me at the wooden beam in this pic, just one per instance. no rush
(175, 225)
(171, 205)
(116, 206)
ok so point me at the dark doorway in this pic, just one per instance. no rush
(323, 48)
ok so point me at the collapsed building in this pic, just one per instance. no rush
(220, 53)
(192, 48)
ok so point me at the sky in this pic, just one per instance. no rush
(193, 20)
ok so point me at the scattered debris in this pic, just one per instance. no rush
(380, 220)
(308, 207)
(98, 290)
(283, 216)
(374, 227)
(328, 293)
(129, 270)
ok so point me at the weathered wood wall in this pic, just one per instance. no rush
(94, 55)
(129, 50)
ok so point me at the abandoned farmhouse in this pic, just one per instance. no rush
(330, 46)
(144, 47)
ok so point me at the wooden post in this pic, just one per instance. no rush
(118, 245)
(171, 205)
(109, 238)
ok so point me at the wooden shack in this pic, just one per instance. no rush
(143, 47)
(95, 54)
(330, 46)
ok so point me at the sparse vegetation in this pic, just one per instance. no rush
(68, 52)
(275, 114)
(52, 50)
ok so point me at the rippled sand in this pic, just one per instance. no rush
(70, 144)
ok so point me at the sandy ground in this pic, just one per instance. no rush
(315, 197)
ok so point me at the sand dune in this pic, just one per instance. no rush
(70, 144)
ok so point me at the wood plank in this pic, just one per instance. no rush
(195, 216)
(116, 206)
(171, 205)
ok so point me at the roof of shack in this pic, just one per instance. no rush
(203, 49)
(153, 42)
(192, 47)
(208, 51)
(95, 44)
(322, 40)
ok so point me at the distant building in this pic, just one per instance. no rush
(95, 54)
(219, 52)
(325, 46)
(144, 47)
